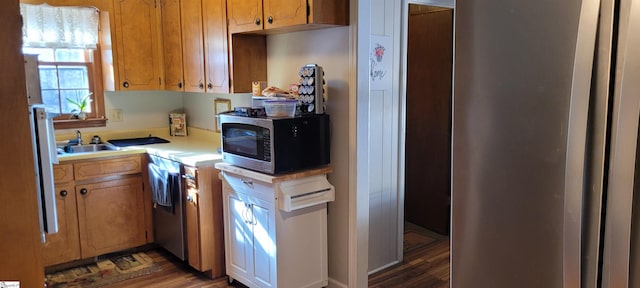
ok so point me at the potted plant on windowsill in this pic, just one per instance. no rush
(80, 106)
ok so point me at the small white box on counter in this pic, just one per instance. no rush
(177, 124)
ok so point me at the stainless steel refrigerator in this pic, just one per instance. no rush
(545, 129)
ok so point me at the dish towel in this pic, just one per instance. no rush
(161, 182)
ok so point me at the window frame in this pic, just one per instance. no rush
(97, 116)
(90, 80)
(99, 119)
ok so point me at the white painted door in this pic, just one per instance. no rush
(264, 245)
(239, 250)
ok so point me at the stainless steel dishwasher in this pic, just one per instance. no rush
(168, 205)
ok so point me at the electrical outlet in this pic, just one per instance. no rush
(115, 115)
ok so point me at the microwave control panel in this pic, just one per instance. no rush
(311, 91)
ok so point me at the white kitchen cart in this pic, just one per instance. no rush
(276, 227)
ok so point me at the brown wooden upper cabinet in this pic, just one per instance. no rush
(266, 16)
(249, 21)
(136, 44)
(195, 45)
(130, 47)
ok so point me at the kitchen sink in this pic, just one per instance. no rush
(89, 148)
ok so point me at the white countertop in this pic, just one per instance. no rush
(199, 149)
(188, 151)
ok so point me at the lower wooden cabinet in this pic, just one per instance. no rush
(193, 233)
(97, 215)
(64, 246)
(204, 221)
(110, 216)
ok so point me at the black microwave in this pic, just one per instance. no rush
(275, 145)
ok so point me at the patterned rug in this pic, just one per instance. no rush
(104, 272)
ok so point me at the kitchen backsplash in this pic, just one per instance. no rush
(199, 107)
(143, 110)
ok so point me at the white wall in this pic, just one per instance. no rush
(329, 48)
(149, 109)
(140, 110)
(383, 125)
(199, 107)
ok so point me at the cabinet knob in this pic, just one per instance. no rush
(180, 85)
(63, 193)
(258, 21)
(270, 19)
(125, 84)
(210, 86)
(201, 86)
(84, 191)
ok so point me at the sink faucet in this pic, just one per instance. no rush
(79, 137)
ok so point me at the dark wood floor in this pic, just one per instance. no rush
(174, 273)
(425, 265)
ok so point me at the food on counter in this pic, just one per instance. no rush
(273, 91)
(257, 87)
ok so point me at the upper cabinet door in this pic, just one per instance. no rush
(244, 15)
(283, 13)
(137, 45)
(193, 46)
(215, 46)
(172, 41)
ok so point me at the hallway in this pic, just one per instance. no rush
(425, 264)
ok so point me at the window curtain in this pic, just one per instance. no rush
(46, 26)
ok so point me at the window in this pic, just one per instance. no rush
(66, 42)
(64, 75)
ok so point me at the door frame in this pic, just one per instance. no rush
(403, 104)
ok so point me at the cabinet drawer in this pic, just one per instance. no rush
(249, 186)
(62, 173)
(103, 168)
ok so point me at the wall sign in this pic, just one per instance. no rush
(220, 105)
(380, 63)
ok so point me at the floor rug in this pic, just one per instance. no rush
(104, 272)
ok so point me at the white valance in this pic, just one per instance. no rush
(59, 27)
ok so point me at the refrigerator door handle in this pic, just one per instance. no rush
(618, 256)
(576, 141)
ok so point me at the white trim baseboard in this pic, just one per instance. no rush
(336, 284)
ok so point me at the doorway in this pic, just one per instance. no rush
(426, 157)
(428, 117)
(387, 202)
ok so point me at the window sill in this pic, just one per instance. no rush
(75, 123)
